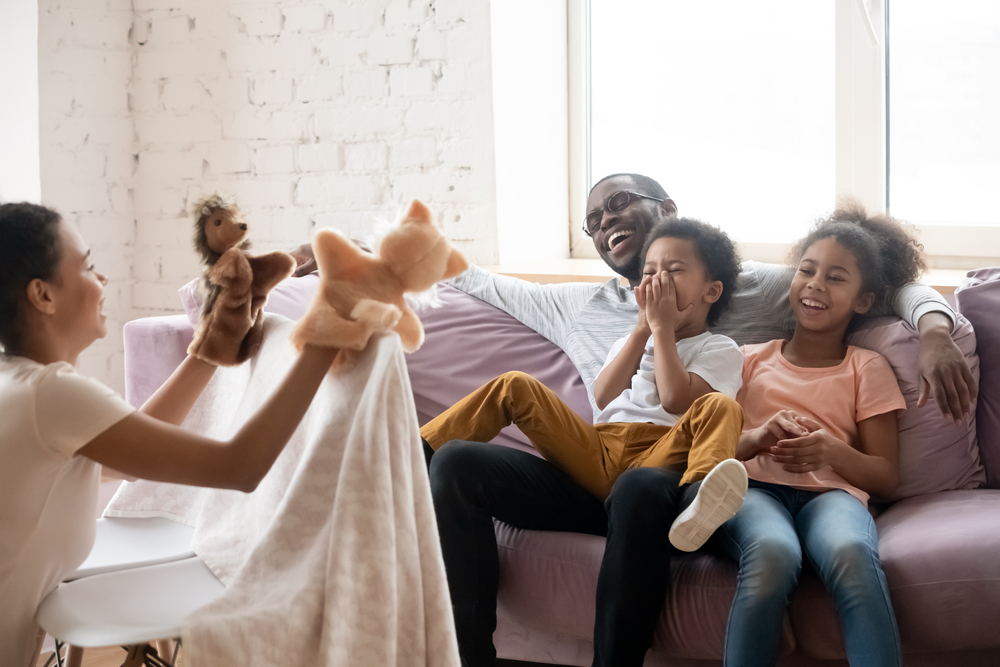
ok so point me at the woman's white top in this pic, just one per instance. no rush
(48, 495)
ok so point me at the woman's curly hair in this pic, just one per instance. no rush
(714, 249)
(888, 252)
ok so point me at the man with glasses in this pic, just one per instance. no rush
(584, 320)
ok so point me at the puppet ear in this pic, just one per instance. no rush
(418, 212)
(456, 264)
(337, 256)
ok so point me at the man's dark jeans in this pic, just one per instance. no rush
(473, 482)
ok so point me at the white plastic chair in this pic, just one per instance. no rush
(126, 543)
(128, 607)
(121, 544)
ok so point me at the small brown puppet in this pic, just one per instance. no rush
(235, 284)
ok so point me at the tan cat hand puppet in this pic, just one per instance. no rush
(361, 293)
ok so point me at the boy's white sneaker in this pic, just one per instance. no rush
(719, 498)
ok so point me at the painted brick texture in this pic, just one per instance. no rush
(87, 164)
(313, 113)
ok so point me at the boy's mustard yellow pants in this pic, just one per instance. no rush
(594, 455)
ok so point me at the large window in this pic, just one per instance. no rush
(729, 104)
(757, 116)
(944, 112)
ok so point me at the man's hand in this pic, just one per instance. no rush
(944, 372)
(642, 324)
(662, 312)
(304, 260)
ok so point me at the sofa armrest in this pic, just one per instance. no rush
(154, 347)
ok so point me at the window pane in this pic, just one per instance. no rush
(729, 104)
(944, 111)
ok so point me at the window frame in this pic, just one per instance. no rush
(861, 135)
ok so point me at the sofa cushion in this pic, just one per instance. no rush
(939, 554)
(978, 299)
(934, 455)
(468, 343)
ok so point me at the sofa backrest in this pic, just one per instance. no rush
(978, 299)
(934, 454)
(469, 342)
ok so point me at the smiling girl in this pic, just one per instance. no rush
(58, 426)
(819, 438)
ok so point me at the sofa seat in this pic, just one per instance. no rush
(940, 552)
(548, 582)
(941, 555)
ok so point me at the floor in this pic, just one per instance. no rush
(111, 656)
(114, 656)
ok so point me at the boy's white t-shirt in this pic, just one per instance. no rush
(48, 495)
(715, 359)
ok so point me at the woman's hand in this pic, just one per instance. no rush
(944, 372)
(816, 449)
(662, 311)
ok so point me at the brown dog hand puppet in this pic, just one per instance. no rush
(235, 283)
(361, 293)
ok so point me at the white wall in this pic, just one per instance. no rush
(530, 112)
(19, 171)
(314, 113)
(85, 66)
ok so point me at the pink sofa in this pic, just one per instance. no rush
(939, 542)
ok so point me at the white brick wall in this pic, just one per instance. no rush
(86, 133)
(314, 113)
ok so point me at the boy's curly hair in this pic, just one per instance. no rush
(887, 249)
(714, 249)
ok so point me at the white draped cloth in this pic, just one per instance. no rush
(335, 558)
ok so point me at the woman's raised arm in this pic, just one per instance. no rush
(150, 448)
(174, 399)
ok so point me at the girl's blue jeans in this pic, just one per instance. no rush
(835, 531)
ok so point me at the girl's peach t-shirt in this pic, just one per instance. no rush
(838, 397)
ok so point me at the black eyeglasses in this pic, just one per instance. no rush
(616, 203)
